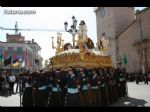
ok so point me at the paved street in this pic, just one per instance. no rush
(13, 100)
(139, 95)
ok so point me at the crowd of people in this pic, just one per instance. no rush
(138, 77)
(7, 81)
(70, 87)
(73, 87)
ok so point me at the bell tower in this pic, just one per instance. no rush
(110, 22)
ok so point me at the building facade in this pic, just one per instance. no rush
(128, 33)
(37, 63)
(135, 41)
(17, 47)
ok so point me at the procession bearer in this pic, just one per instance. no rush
(103, 90)
(94, 88)
(27, 92)
(85, 88)
(41, 90)
(73, 96)
(55, 95)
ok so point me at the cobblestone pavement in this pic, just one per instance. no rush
(139, 96)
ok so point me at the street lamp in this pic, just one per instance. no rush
(66, 25)
(72, 29)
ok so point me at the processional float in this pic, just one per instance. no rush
(84, 54)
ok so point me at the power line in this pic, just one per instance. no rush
(16, 29)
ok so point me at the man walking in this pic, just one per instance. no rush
(12, 80)
(17, 82)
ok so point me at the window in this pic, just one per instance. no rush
(10, 51)
(19, 52)
(39, 52)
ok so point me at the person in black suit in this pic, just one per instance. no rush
(146, 78)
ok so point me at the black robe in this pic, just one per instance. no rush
(41, 96)
(73, 99)
(56, 93)
(86, 96)
(94, 92)
(27, 100)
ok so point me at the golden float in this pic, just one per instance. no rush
(84, 54)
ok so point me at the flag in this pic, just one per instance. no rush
(16, 60)
(125, 61)
(1, 50)
(1, 54)
(8, 61)
(16, 64)
(1, 57)
(23, 64)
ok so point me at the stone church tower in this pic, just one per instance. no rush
(110, 22)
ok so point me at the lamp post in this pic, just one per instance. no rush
(72, 29)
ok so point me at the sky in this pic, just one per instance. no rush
(48, 18)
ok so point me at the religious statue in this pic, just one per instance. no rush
(60, 43)
(67, 46)
(103, 44)
(83, 54)
(58, 49)
(84, 41)
(82, 36)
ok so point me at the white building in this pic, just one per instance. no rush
(28, 51)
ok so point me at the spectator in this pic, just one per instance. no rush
(146, 78)
(129, 77)
(12, 80)
(137, 78)
(6, 74)
(17, 82)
